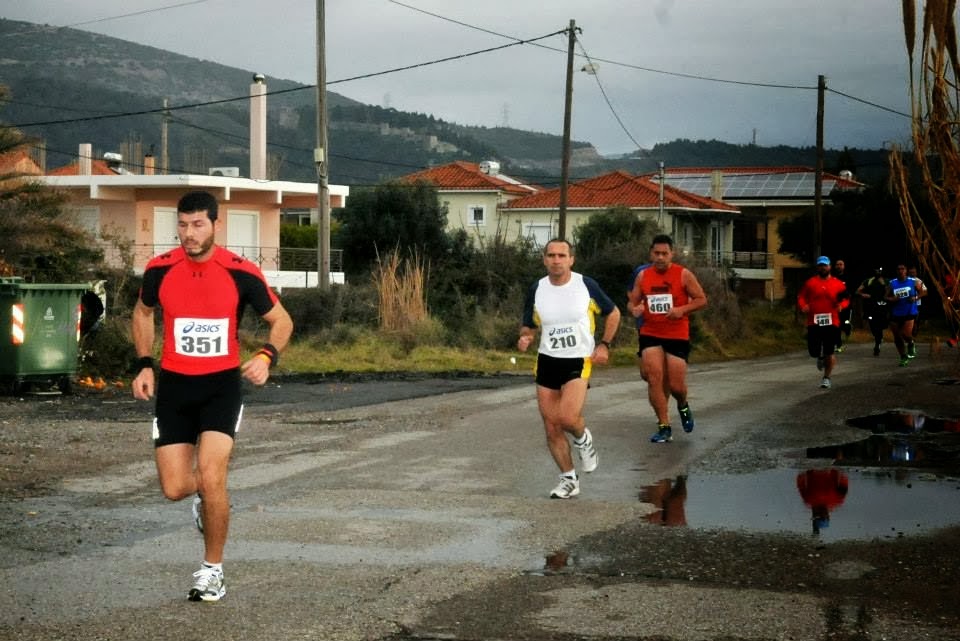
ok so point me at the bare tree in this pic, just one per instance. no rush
(932, 226)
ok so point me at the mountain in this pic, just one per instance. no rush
(68, 86)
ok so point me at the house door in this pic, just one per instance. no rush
(243, 233)
(165, 229)
(716, 243)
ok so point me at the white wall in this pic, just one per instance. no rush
(281, 279)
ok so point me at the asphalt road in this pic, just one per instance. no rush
(418, 509)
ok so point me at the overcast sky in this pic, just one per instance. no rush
(658, 61)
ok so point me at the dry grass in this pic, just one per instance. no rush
(401, 292)
(376, 352)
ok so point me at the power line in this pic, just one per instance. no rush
(593, 71)
(281, 91)
(237, 137)
(867, 102)
(225, 134)
(106, 19)
(612, 62)
(447, 59)
(747, 83)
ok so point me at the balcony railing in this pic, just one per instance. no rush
(734, 259)
(270, 258)
(751, 260)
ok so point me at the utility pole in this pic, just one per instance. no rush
(320, 158)
(661, 176)
(164, 156)
(565, 158)
(818, 174)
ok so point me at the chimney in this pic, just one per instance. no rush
(716, 185)
(86, 159)
(258, 128)
(149, 165)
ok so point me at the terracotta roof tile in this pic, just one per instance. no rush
(18, 162)
(97, 168)
(466, 176)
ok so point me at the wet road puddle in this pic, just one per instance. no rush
(886, 485)
(830, 503)
(903, 421)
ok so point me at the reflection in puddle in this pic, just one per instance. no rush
(905, 422)
(669, 496)
(898, 438)
(860, 504)
(822, 491)
(884, 451)
(556, 561)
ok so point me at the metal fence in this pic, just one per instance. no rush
(734, 259)
(271, 258)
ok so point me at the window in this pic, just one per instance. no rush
(475, 215)
(297, 216)
(539, 234)
(88, 218)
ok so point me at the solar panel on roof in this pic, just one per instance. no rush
(758, 185)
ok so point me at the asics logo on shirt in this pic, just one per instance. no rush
(201, 328)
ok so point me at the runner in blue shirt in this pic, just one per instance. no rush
(903, 295)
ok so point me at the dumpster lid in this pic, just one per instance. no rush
(14, 283)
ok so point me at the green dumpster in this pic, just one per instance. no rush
(39, 333)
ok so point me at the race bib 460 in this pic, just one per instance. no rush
(660, 303)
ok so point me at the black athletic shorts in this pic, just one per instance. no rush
(188, 405)
(676, 347)
(822, 339)
(553, 373)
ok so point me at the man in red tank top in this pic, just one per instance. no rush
(665, 294)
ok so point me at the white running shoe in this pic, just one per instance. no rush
(825, 383)
(566, 489)
(197, 509)
(588, 453)
(209, 585)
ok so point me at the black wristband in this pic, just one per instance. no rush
(605, 343)
(270, 351)
(143, 363)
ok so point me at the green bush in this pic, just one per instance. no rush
(108, 350)
(428, 331)
(314, 310)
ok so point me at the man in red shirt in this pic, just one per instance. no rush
(665, 294)
(821, 298)
(202, 289)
